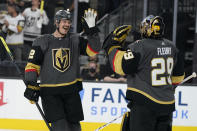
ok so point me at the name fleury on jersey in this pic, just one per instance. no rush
(164, 51)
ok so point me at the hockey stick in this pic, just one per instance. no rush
(21, 75)
(108, 123)
(193, 75)
(42, 6)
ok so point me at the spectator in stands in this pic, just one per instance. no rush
(34, 18)
(13, 26)
(91, 71)
(11, 2)
(21, 5)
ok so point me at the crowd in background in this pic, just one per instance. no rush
(31, 21)
(21, 21)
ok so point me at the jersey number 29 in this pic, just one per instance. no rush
(163, 67)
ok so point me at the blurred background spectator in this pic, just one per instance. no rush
(34, 19)
(13, 26)
(11, 2)
(112, 13)
(91, 71)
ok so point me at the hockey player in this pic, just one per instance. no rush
(34, 18)
(13, 26)
(55, 58)
(153, 66)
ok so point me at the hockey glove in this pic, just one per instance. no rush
(116, 38)
(32, 93)
(89, 21)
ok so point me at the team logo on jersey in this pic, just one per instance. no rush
(61, 59)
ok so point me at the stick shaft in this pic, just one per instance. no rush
(7, 49)
(42, 6)
(188, 78)
(108, 123)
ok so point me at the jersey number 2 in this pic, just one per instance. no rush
(164, 66)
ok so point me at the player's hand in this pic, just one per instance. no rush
(90, 17)
(89, 21)
(116, 38)
(32, 93)
(120, 33)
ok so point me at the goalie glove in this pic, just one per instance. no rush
(32, 93)
(89, 21)
(121, 33)
(116, 38)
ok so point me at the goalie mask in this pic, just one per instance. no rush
(152, 27)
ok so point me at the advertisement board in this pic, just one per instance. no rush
(102, 102)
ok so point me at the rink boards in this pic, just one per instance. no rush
(102, 102)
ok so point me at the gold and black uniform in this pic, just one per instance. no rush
(152, 67)
(56, 62)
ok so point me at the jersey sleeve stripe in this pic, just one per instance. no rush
(32, 67)
(90, 51)
(177, 79)
(117, 62)
(30, 70)
(111, 48)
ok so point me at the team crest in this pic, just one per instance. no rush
(61, 59)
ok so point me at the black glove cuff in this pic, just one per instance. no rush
(91, 31)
